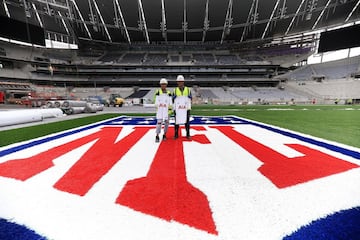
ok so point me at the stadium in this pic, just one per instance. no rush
(274, 119)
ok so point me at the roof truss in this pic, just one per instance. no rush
(206, 21)
(121, 20)
(142, 21)
(163, 21)
(228, 21)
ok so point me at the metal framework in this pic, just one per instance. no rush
(321, 14)
(185, 24)
(67, 12)
(82, 19)
(37, 15)
(102, 20)
(118, 10)
(352, 11)
(294, 17)
(283, 10)
(228, 21)
(252, 18)
(6, 9)
(63, 22)
(206, 21)
(163, 21)
(142, 21)
(270, 19)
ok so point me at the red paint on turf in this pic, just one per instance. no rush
(284, 171)
(95, 163)
(165, 191)
(98, 160)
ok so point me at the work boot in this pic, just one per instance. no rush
(188, 134)
(157, 139)
(176, 132)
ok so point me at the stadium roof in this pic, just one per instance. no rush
(183, 21)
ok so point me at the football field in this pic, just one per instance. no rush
(248, 172)
(336, 123)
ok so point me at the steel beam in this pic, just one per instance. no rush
(52, 3)
(102, 21)
(294, 17)
(352, 11)
(63, 22)
(123, 21)
(228, 21)
(185, 23)
(37, 15)
(270, 19)
(283, 10)
(320, 16)
(143, 21)
(247, 21)
(6, 9)
(81, 18)
(163, 20)
(206, 21)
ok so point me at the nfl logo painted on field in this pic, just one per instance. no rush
(234, 179)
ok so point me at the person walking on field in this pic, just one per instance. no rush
(182, 105)
(163, 104)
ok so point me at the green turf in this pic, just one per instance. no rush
(336, 123)
(21, 134)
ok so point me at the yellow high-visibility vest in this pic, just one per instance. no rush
(185, 92)
(160, 92)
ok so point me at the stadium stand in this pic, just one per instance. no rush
(203, 58)
(110, 57)
(330, 89)
(132, 58)
(227, 59)
(156, 59)
(330, 70)
(207, 94)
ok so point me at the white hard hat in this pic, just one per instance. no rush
(163, 81)
(180, 78)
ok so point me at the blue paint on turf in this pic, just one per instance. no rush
(343, 225)
(13, 231)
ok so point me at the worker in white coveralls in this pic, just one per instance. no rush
(163, 103)
(182, 106)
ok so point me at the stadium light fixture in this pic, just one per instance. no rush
(163, 20)
(26, 9)
(283, 10)
(228, 21)
(352, 11)
(270, 19)
(185, 23)
(206, 21)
